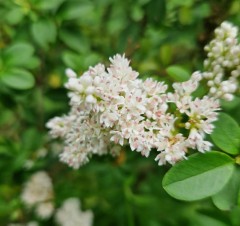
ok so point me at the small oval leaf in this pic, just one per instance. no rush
(19, 54)
(177, 73)
(201, 176)
(44, 32)
(18, 79)
(226, 134)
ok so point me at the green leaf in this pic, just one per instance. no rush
(49, 5)
(72, 60)
(178, 73)
(44, 32)
(18, 79)
(14, 16)
(78, 62)
(80, 10)
(116, 25)
(229, 105)
(19, 54)
(75, 41)
(227, 198)
(137, 13)
(201, 176)
(226, 134)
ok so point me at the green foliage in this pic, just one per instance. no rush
(39, 39)
(16, 59)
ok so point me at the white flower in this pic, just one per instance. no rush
(112, 107)
(120, 69)
(74, 156)
(70, 73)
(70, 214)
(195, 140)
(172, 147)
(153, 87)
(38, 192)
(188, 87)
(44, 210)
(222, 64)
(83, 138)
(59, 125)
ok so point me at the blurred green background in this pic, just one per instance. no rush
(39, 39)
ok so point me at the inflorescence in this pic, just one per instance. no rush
(111, 107)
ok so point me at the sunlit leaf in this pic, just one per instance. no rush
(201, 176)
(226, 135)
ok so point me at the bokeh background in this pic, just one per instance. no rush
(39, 39)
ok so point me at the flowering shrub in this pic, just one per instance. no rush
(112, 104)
(159, 124)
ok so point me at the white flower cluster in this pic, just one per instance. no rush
(223, 63)
(70, 214)
(83, 135)
(112, 107)
(38, 193)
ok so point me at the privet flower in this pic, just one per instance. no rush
(222, 66)
(38, 193)
(70, 214)
(111, 107)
